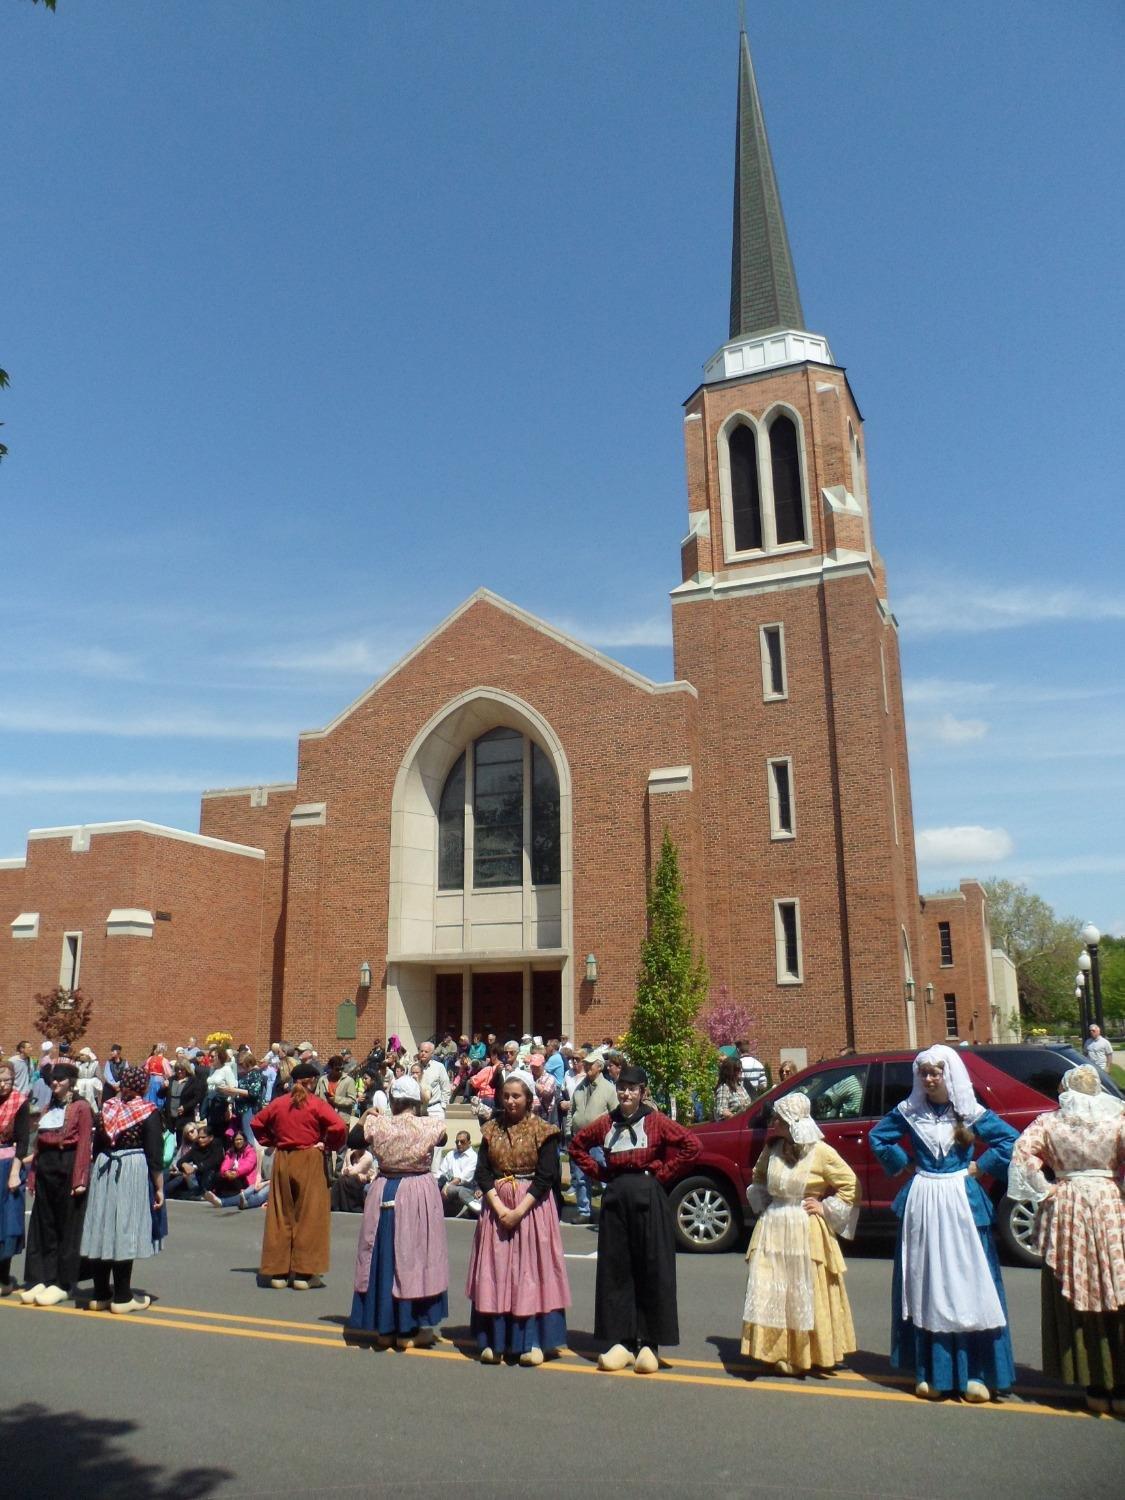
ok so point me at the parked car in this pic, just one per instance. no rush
(848, 1095)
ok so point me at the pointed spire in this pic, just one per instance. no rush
(763, 283)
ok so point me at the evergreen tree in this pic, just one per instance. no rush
(671, 989)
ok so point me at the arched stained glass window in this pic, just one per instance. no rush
(745, 496)
(544, 820)
(451, 830)
(498, 809)
(785, 463)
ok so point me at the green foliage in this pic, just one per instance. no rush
(672, 985)
(1044, 948)
(1111, 957)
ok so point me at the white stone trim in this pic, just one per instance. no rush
(783, 974)
(19, 862)
(777, 833)
(26, 925)
(264, 788)
(768, 693)
(670, 779)
(485, 959)
(309, 815)
(486, 596)
(129, 921)
(85, 831)
(839, 498)
(749, 356)
(768, 578)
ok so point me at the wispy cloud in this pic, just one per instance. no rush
(956, 608)
(74, 661)
(157, 724)
(931, 691)
(345, 658)
(139, 782)
(652, 630)
(964, 846)
(947, 729)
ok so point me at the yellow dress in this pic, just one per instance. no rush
(797, 1310)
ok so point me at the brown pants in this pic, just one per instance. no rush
(296, 1238)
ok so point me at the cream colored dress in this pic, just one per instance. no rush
(796, 1308)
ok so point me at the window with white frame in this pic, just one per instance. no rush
(762, 485)
(787, 941)
(883, 675)
(950, 1015)
(945, 941)
(775, 680)
(782, 821)
(70, 966)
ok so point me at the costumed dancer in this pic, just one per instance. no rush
(62, 1174)
(15, 1132)
(517, 1283)
(125, 1216)
(949, 1315)
(797, 1316)
(296, 1243)
(635, 1300)
(402, 1263)
(1080, 1233)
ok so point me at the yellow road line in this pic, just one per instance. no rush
(572, 1366)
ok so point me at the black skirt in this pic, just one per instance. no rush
(54, 1236)
(635, 1301)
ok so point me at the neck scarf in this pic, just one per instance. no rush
(623, 1126)
(120, 1115)
(9, 1109)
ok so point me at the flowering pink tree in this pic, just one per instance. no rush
(726, 1020)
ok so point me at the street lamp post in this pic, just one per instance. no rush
(1083, 1004)
(1083, 978)
(1092, 937)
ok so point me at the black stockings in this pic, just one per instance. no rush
(122, 1271)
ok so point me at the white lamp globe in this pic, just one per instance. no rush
(1090, 935)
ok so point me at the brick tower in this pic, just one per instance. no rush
(783, 625)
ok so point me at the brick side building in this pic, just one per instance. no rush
(468, 844)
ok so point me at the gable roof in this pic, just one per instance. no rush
(533, 622)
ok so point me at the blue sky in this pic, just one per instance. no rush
(319, 317)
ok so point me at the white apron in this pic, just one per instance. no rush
(947, 1286)
(779, 1286)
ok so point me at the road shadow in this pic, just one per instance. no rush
(69, 1453)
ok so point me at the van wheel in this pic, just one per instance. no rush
(707, 1220)
(1015, 1222)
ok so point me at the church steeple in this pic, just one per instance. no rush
(763, 284)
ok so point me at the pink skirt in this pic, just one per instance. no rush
(421, 1256)
(520, 1272)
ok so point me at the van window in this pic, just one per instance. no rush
(898, 1080)
(1039, 1068)
(836, 1093)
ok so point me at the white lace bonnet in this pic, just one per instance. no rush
(957, 1081)
(1081, 1094)
(796, 1111)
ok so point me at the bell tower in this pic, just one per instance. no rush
(783, 624)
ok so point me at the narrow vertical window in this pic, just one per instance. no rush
(781, 798)
(945, 938)
(774, 679)
(544, 819)
(951, 1015)
(787, 938)
(894, 807)
(71, 964)
(498, 809)
(883, 674)
(451, 830)
(785, 467)
(745, 494)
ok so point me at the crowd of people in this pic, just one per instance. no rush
(297, 1138)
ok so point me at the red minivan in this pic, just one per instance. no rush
(848, 1095)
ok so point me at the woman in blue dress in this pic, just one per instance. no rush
(950, 1319)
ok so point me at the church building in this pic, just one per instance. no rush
(464, 847)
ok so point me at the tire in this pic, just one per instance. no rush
(707, 1217)
(1015, 1223)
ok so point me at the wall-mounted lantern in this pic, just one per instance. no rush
(365, 975)
(591, 969)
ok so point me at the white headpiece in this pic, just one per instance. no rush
(406, 1088)
(796, 1111)
(521, 1075)
(957, 1081)
(1081, 1095)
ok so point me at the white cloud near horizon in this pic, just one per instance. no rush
(947, 729)
(173, 723)
(956, 608)
(19, 785)
(931, 691)
(962, 846)
(348, 658)
(653, 630)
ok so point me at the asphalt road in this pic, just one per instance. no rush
(226, 1389)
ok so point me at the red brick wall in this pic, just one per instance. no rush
(198, 971)
(966, 911)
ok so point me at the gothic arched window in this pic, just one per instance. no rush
(502, 802)
(785, 468)
(451, 830)
(745, 495)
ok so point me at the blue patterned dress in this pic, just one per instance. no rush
(948, 1361)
